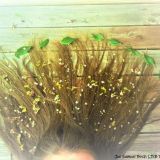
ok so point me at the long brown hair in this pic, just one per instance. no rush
(87, 95)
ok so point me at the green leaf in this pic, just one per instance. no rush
(98, 37)
(134, 52)
(114, 42)
(149, 60)
(43, 43)
(67, 41)
(23, 50)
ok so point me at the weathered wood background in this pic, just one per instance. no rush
(136, 22)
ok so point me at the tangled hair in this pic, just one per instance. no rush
(87, 95)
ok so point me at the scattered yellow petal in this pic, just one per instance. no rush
(36, 100)
(58, 85)
(94, 83)
(21, 147)
(26, 86)
(73, 88)
(24, 109)
(57, 99)
(35, 109)
(33, 123)
(113, 123)
(120, 80)
(121, 93)
(113, 95)
(125, 88)
(29, 93)
(103, 89)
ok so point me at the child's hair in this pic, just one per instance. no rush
(87, 95)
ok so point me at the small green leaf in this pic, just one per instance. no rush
(67, 41)
(23, 50)
(43, 43)
(134, 52)
(98, 37)
(149, 60)
(114, 42)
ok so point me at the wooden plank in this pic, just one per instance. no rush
(139, 37)
(71, 2)
(155, 115)
(146, 143)
(77, 15)
(153, 123)
(153, 127)
(4, 152)
(143, 155)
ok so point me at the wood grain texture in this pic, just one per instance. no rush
(153, 123)
(143, 37)
(71, 2)
(147, 143)
(80, 16)
(4, 152)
